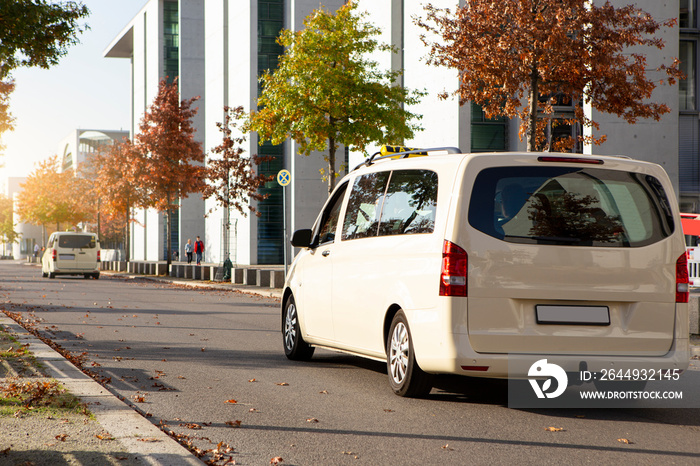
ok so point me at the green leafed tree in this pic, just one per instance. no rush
(326, 92)
(7, 225)
(34, 33)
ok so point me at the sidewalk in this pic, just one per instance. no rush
(117, 434)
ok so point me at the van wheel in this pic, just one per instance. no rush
(87, 276)
(96, 276)
(405, 377)
(295, 348)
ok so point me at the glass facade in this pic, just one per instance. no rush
(171, 61)
(171, 38)
(271, 221)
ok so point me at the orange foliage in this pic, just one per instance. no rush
(511, 52)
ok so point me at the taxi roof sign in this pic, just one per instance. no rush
(401, 152)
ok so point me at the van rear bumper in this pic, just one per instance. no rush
(464, 361)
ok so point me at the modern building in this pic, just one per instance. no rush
(77, 147)
(218, 48)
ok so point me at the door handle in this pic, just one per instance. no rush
(326, 253)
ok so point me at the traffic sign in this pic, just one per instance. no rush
(284, 177)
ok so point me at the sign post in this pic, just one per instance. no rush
(284, 178)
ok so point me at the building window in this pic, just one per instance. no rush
(686, 16)
(488, 135)
(687, 85)
(271, 220)
(171, 41)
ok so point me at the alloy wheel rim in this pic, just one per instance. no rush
(290, 331)
(398, 353)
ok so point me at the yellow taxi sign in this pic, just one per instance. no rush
(387, 149)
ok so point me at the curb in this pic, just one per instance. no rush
(115, 416)
(250, 289)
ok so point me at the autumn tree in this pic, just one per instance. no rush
(50, 197)
(231, 178)
(509, 53)
(7, 225)
(326, 92)
(118, 173)
(230, 175)
(34, 33)
(174, 159)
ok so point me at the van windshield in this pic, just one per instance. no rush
(570, 206)
(77, 241)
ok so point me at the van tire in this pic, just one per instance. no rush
(96, 276)
(87, 276)
(405, 377)
(295, 348)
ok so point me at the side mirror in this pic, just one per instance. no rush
(302, 238)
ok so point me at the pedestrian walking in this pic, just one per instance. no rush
(199, 250)
(188, 250)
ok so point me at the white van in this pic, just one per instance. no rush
(71, 253)
(455, 263)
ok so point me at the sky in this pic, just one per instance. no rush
(84, 91)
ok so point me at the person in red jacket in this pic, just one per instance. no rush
(199, 250)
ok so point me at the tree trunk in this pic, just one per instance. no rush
(331, 159)
(168, 234)
(127, 244)
(532, 112)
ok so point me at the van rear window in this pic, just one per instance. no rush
(77, 241)
(570, 206)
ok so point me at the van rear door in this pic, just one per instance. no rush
(77, 252)
(571, 259)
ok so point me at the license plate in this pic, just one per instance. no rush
(66, 257)
(572, 315)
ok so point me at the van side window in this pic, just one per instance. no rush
(329, 221)
(365, 206)
(410, 202)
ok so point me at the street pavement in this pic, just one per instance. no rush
(121, 421)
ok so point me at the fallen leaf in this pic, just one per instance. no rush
(231, 401)
(312, 419)
(104, 437)
(235, 423)
(252, 380)
(283, 384)
(276, 460)
(554, 429)
(447, 447)
(149, 440)
(624, 440)
(61, 437)
(324, 392)
(252, 410)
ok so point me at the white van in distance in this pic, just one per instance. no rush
(454, 263)
(71, 253)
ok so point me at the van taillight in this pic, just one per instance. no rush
(682, 282)
(453, 275)
(98, 256)
(53, 255)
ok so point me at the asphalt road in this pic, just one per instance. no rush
(188, 356)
